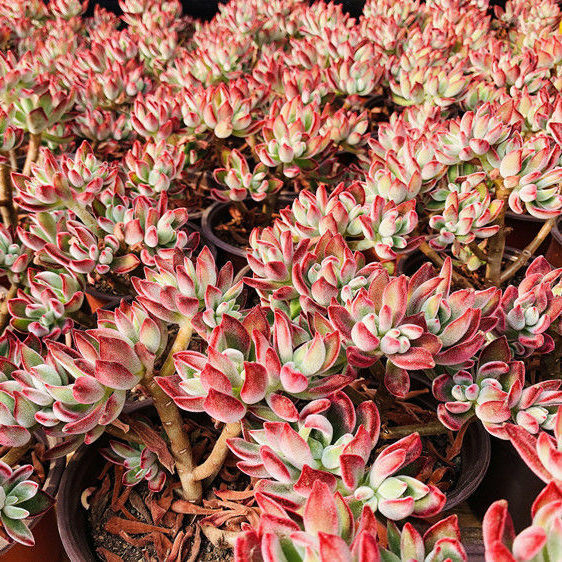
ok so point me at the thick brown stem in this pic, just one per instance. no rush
(172, 421)
(496, 244)
(178, 437)
(129, 436)
(13, 161)
(423, 429)
(478, 252)
(180, 344)
(215, 460)
(9, 217)
(15, 454)
(32, 152)
(438, 260)
(529, 250)
(4, 313)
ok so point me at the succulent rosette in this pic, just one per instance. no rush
(140, 464)
(20, 500)
(240, 181)
(254, 366)
(293, 138)
(148, 226)
(326, 528)
(153, 167)
(526, 311)
(387, 229)
(332, 442)
(348, 129)
(495, 393)
(45, 309)
(374, 323)
(156, 116)
(65, 183)
(466, 217)
(181, 289)
(14, 256)
(10, 136)
(532, 176)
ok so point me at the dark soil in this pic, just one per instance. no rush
(235, 226)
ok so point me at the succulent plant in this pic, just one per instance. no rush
(240, 181)
(180, 288)
(496, 395)
(140, 464)
(20, 500)
(252, 366)
(14, 257)
(331, 442)
(539, 541)
(65, 184)
(153, 167)
(292, 137)
(46, 309)
(526, 311)
(148, 226)
(466, 217)
(326, 529)
(156, 116)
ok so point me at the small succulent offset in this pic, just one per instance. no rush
(140, 463)
(241, 181)
(20, 500)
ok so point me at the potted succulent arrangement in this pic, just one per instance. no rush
(323, 371)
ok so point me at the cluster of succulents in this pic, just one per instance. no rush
(413, 131)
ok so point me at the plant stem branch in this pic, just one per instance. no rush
(423, 429)
(172, 421)
(477, 251)
(131, 436)
(13, 161)
(15, 454)
(9, 217)
(4, 313)
(216, 458)
(181, 342)
(438, 260)
(496, 244)
(32, 152)
(529, 250)
(179, 439)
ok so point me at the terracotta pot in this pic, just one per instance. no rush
(81, 472)
(96, 299)
(554, 252)
(47, 543)
(524, 229)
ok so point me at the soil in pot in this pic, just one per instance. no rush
(131, 524)
(229, 227)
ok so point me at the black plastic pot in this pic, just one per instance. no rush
(475, 451)
(524, 229)
(229, 252)
(511, 479)
(81, 472)
(14, 551)
(554, 252)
